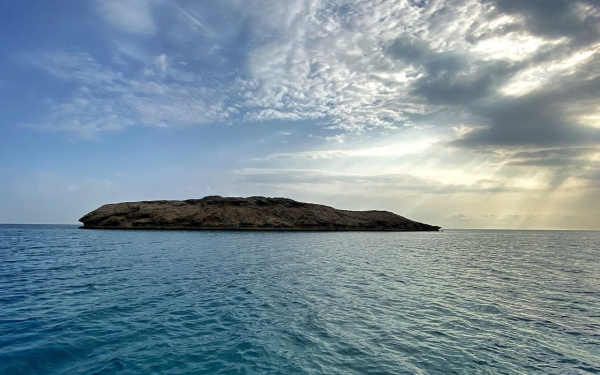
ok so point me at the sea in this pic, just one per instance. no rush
(76, 301)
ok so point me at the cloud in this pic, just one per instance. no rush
(571, 166)
(382, 184)
(107, 100)
(551, 81)
(327, 63)
(566, 157)
(546, 117)
(133, 16)
(451, 61)
(392, 150)
(577, 20)
(85, 117)
(78, 67)
(495, 66)
(536, 107)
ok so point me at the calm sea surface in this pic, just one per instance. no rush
(149, 302)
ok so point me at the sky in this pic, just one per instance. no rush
(457, 113)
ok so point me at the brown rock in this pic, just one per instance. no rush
(252, 213)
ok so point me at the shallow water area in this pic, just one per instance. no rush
(182, 302)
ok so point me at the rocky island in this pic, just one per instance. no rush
(252, 213)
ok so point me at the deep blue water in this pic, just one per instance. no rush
(177, 302)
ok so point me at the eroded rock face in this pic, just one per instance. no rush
(253, 213)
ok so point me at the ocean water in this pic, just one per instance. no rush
(178, 302)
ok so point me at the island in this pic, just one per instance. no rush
(252, 213)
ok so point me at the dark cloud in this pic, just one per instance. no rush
(466, 86)
(592, 175)
(562, 164)
(556, 18)
(409, 50)
(546, 117)
(437, 64)
(567, 157)
(451, 78)
(418, 3)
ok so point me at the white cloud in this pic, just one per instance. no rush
(328, 61)
(161, 63)
(106, 101)
(84, 117)
(130, 15)
(79, 67)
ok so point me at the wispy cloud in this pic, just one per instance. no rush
(392, 150)
(381, 184)
(107, 100)
(132, 15)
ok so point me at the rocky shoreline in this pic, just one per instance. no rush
(252, 213)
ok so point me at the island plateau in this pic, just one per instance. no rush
(252, 213)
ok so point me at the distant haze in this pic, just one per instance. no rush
(457, 113)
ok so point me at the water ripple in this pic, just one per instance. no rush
(459, 302)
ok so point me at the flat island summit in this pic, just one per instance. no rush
(252, 213)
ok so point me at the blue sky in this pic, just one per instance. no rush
(459, 113)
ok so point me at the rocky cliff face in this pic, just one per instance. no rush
(253, 213)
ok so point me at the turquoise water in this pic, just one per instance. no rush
(149, 302)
